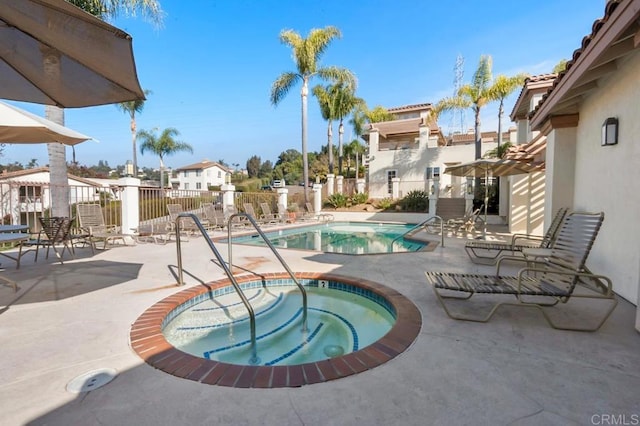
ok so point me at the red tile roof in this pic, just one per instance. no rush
(204, 164)
(407, 108)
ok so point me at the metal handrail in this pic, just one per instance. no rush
(273, 249)
(421, 225)
(252, 316)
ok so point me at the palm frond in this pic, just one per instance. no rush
(281, 87)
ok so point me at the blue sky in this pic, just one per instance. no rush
(211, 67)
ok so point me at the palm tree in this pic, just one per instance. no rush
(474, 96)
(499, 151)
(501, 88)
(354, 148)
(306, 54)
(323, 94)
(103, 9)
(162, 146)
(345, 103)
(131, 108)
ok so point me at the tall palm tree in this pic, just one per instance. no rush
(131, 108)
(323, 95)
(306, 54)
(103, 9)
(356, 149)
(345, 103)
(162, 145)
(501, 88)
(474, 96)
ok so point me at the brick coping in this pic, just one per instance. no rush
(149, 343)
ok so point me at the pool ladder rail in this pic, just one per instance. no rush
(422, 225)
(226, 267)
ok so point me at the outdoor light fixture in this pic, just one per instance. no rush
(128, 168)
(610, 131)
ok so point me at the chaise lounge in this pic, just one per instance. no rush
(553, 280)
(488, 253)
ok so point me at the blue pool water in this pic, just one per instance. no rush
(341, 319)
(341, 237)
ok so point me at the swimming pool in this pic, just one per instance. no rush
(341, 237)
(364, 348)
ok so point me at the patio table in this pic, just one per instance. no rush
(12, 234)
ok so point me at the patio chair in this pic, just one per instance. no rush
(187, 225)
(236, 222)
(91, 221)
(466, 223)
(53, 231)
(215, 217)
(488, 252)
(260, 219)
(307, 214)
(267, 214)
(541, 284)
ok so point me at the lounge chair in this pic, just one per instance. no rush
(92, 222)
(466, 223)
(215, 217)
(487, 252)
(237, 221)
(260, 219)
(266, 212)
(554, 279)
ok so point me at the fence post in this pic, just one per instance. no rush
(282, 197)
(130, 204)
(317, 197)
(340, 184)
(360, 185)
(228, 191)
(330, 183)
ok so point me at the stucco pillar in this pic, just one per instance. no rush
(228, 190)
(317, 197)
(282, 197)
(503, 207)
(395, 188)
(560, 171)
(360, 183)
(340, 184)
(130, 201)
(330, 183)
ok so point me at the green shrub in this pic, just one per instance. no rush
(360, 198)
(415, 201)
(336, 200)
(384, 203)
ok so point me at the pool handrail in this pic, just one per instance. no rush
(252, 316)
(422, 224)
(275, 252)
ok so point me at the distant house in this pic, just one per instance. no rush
(200, 175)
(25, 194)
(590, 119)
(413, 150)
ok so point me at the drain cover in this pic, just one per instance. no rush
(91, 380)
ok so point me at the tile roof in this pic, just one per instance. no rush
(532, 85)
(528, 151)
(590, 53)
(45, 169)
(204, 164)
(407, 108)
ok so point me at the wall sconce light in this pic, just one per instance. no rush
(610, 131)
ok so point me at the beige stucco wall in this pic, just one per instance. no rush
(411, 164)
(560, 171)
(526, 212)
(607, 178)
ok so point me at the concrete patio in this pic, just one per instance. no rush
(69, 319)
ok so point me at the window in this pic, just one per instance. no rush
(219, 174)
(390, 175)
(186, 185)
(198, 173)
(198, 185)
(185, 173)
(433, 172)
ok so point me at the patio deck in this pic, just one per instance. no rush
(69, 319)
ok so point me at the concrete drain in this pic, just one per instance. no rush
(91, 380)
